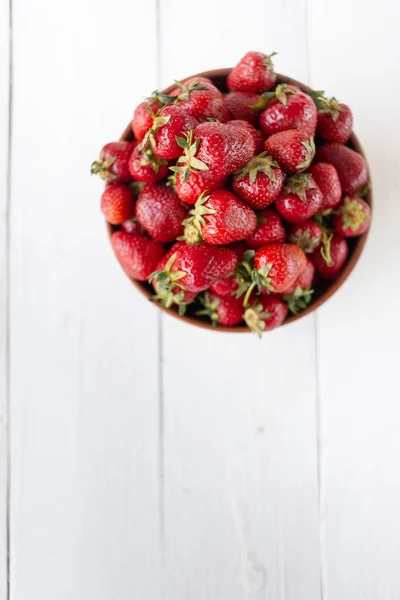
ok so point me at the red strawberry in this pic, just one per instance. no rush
(167, 294)
(143, 119)
(330, 257)
(259, 182)
(197, 183)
(146, 166)
(137, 254)
(160, 212)
(215, 147)
(131, 226)
(335, 120)
(239, 105)
(304, 280)
(225, 287)
(300, 199)
(168, 125)
(113, 163)
(269, 229)
(117, 203)
(351, 167)
(279, 265)
(292, 149)
(352, 217)
(265, 313)
(197, 266)
(255, 134)
(288, 108)
(199, 98)
(220, 218)
(327, 179)
(221, 310)
(306, 235)
(254, 73)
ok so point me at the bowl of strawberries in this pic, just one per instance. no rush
(238, 199)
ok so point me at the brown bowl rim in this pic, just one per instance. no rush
(352, 260)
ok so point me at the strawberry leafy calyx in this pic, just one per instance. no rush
(210, 308)
(281, 92)
(325, 249)
(310, 152)
(185, 91)
(188, 162)
(267, 62)
(299, 184)
(263, 163)
(168, 286)
(352, 214)
(305, 240)
(255, 317)
(149, 158)
(158, 122)
(250, 279)
(102, 168)
(195, 222)
(299, 300)
(327, 105)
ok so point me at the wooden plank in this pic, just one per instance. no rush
(359, 328)
(4, 150)
(84, 374)
(241, 510)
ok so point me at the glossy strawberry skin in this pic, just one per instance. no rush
(233, 220)
(290, 149)
(119, 153)
(286, 262)
(223, 148)
(131, 226)
(160, 212)
(335, 131)
(306, 235)
(229, 310)
(225, 287)
(117, 203)
(251, 74)
(239, 105)
(137, 254)
(339, 251)
(142, 171)
(305, 278)
(343, 226)
(190, 190)
(179, 123)
(188, 296)
(263, 192)
(202, 104)
(142, 119)
(327, 179)
(269, 229)
(290, 206)
(299, 112)
(272, 304)
(255, 134)
(351, 167)
(203, 264)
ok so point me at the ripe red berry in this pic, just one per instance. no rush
(269, 229)
(292, 149)
(239, 105)
(137, 254)
(300, 199)
(304, 280)
(160, 212)
(255, 134)
(335, 120)
(259, 182)
(279, 265)
(288, 108)
(143, 117)
(254, 73)
(330, 257)
(221, 310)
(168, 125)
(113, 163)
(196, 184)
(117, 203)
(352, 217)
(306, 235)
(327, 179)
(265, 313)
(146, 166)
(351, 167)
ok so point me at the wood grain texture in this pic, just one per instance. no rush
(84, 360)
(241, 488)
(4, 150)
(358, 330)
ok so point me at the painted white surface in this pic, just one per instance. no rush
(149, 460)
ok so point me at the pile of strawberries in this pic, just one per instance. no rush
(222, 202)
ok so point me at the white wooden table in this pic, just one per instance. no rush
(142, 459)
